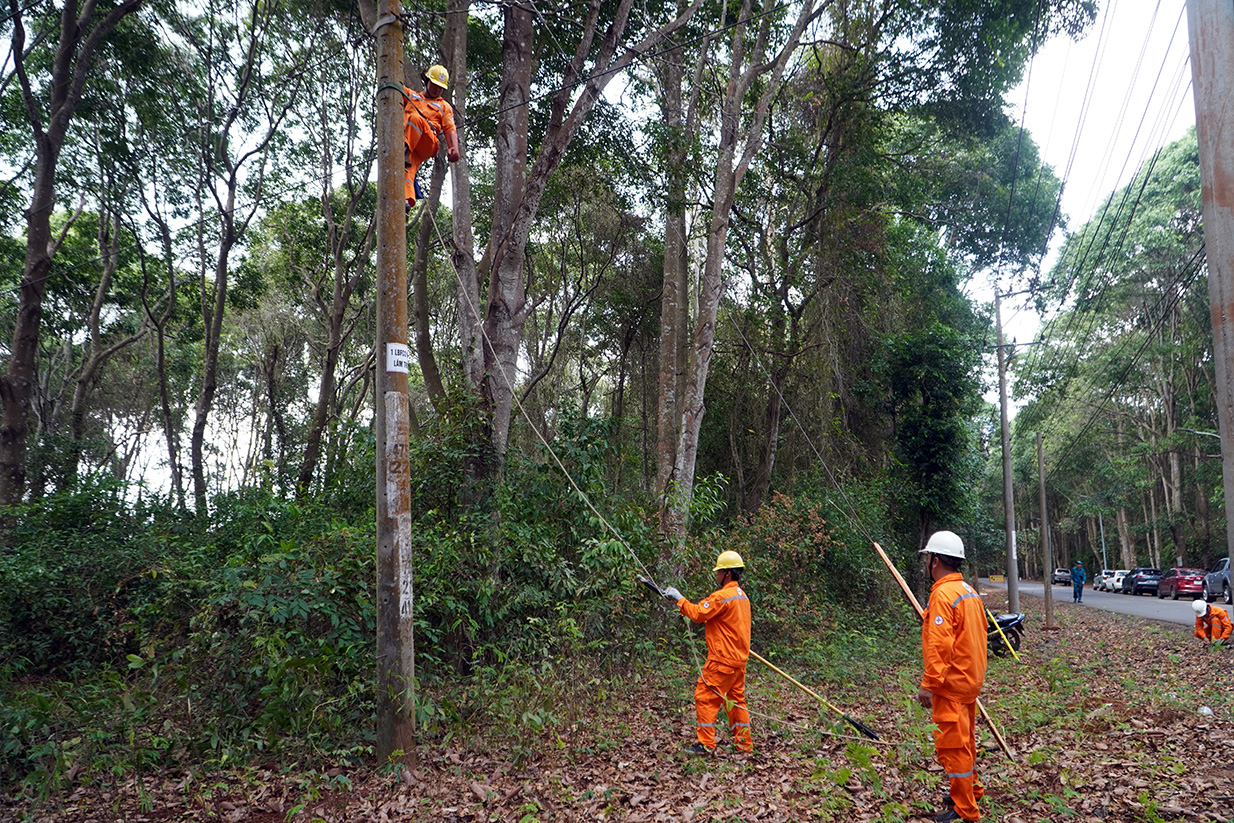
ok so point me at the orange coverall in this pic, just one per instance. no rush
(953, 648)
(424, 118)
(726, 614)
(1213, 626)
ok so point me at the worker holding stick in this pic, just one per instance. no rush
(953, 648)
(722, 683)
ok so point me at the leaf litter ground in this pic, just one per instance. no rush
(1108, 719)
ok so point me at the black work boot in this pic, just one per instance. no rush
(699, 748)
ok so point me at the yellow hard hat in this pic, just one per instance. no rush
(729, 560)
(438, 75)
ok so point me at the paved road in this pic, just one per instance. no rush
(1143, 605)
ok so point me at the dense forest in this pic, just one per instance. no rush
(704, 267)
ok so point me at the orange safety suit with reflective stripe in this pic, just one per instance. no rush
(1215, 625)
(722, 684)
(953, 648)
(424, 118)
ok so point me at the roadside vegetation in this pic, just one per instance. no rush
(259, 710)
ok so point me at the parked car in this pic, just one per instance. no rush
(1115, 583)
(1102, 581)
(1061, 576)
(1217, 582)
(1180, 581)
(1141, 579)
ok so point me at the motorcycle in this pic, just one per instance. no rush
(1012, 626)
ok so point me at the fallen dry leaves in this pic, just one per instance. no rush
(1103, 716)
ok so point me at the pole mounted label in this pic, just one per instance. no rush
(398, 357)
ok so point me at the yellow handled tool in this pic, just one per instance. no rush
(856, 724)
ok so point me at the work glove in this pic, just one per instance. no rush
(672, 594)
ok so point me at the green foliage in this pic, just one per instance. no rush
(75, 578)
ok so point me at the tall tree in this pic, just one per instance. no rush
(493, 338)
(51, 90)
(250, 82)
(758, 53)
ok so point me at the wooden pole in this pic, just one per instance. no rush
(396, 666)
(1013, 562)
(1211, 27)
(912, 598)
(1047, 556)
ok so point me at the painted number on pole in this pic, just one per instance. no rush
(398, 357)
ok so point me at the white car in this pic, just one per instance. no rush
(1114, 583)
(1102, 579)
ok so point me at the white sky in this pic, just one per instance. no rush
(1100, 107)
(1097, 109)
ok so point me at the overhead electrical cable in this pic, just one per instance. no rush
(1087, 244)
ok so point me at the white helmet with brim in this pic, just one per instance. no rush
(946, 543)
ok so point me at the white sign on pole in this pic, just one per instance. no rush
(398, 357)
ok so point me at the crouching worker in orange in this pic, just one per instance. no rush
(953, 648)
(426, 117)
(1211, 623)
(726, 613)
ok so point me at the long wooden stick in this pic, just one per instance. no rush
(856, 724)
(912, 598)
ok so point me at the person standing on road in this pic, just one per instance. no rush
(1211, 623)
(1078, 578)
(953, 649)
(722, 683)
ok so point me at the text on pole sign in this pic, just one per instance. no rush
(398, 358)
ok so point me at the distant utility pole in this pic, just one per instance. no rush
(1013, 563)
(1211, 27)
(1047, 557)
(396, 660)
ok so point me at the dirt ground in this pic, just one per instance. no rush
(1109, 718)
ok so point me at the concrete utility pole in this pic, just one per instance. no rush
(1013, 563)
(1047, 556)
(1211, 27)
(396, 660)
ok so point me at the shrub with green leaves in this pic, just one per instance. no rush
(80, 569)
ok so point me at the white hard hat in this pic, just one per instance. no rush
(1200, 606)
(945, 543)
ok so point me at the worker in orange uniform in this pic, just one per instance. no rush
(1211, 623)
(953, 648)
(726, 613)
(426, 117)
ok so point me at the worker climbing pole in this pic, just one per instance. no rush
(427, 118)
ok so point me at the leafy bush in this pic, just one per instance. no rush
(283, 644)
(80, 567)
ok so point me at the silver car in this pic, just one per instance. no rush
(1217, 582)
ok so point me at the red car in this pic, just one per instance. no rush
(1181, 581)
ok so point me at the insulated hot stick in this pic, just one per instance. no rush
(651, 584)
(856, 724)
(912, 598)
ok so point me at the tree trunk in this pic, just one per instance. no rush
(79, 38)
(518, 191)
(1126, 539)
(99, 352)
(212, 321)
(734, 154)
(347, 272)
(674, 296)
